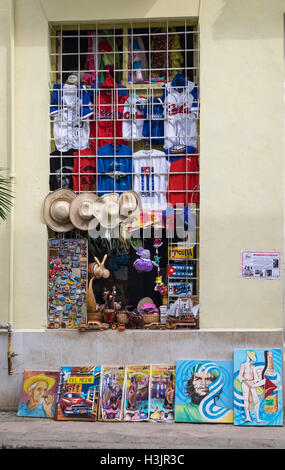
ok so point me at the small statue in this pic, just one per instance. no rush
(110, 305)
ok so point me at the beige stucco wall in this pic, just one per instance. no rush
(242, 156)
(6, 30)
(241, 139)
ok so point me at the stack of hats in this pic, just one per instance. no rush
(65, 210)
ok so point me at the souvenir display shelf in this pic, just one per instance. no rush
(67, 282)
(141, 59)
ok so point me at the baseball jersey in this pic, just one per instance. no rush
(151, 178)
(180, 114)
(133, 118)
(154, 120)
(106, 128)
(114, 164)
(70, 108)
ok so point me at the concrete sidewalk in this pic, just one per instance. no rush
(37, 433)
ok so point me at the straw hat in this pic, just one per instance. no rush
(81, 211)
(38, 378)
(129, 203)
(106, 210)
(56, 210)
(144, 300)
(131, 224)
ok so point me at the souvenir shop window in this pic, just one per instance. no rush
(123, 206)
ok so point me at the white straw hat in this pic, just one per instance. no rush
(129, 202)
(131, 224)
(57, 208)
(81, 211)
(106, 210)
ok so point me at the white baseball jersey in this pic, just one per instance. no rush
(69, 129)
(151, 170)
(180, 127)
(133, 118)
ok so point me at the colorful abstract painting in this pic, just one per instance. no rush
(137, 393)
(38, 394)
(258, 387)
(112, 392)
(162, 393)
(204, 391)
(78, 393)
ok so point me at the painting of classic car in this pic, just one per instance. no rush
(74, 404)
(78, 393)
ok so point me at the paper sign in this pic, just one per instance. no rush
(260, 264)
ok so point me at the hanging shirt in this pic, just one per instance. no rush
(183, 185)
(70, 108)
(106, 128)
(180, 114)
(133, 118)
(154, 120)
(138, 63)
(92, 64)
(114, 168)
(151, 178)
(84, 173)
(61, 168)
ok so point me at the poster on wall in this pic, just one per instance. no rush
(78, 394)
(38, 394)
(204, 391)
(258, 387)
(137, 393)
(67, 282)
(112, 393)
(260, 265)
(162, 393)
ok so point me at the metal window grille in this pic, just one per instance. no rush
(137, 87)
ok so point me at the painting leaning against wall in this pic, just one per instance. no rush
(204, 391)
(258, 387)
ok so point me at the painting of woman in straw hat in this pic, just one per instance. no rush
(38, 395)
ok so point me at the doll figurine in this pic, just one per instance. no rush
(143, 263)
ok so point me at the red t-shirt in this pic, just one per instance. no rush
(183, 183)
(83, 174)
(106, 126)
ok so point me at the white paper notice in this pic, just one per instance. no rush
(260, 264)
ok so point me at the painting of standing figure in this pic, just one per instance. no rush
(137, 393)
(112, 392)
(258, 387)
(204, 391)
(162, 393)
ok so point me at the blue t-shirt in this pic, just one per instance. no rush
(115, 167)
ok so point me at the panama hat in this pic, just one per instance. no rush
(106, 210)
(56, 210)
(81, 211)
(131, 224)
(129, 204)
(37, 378)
